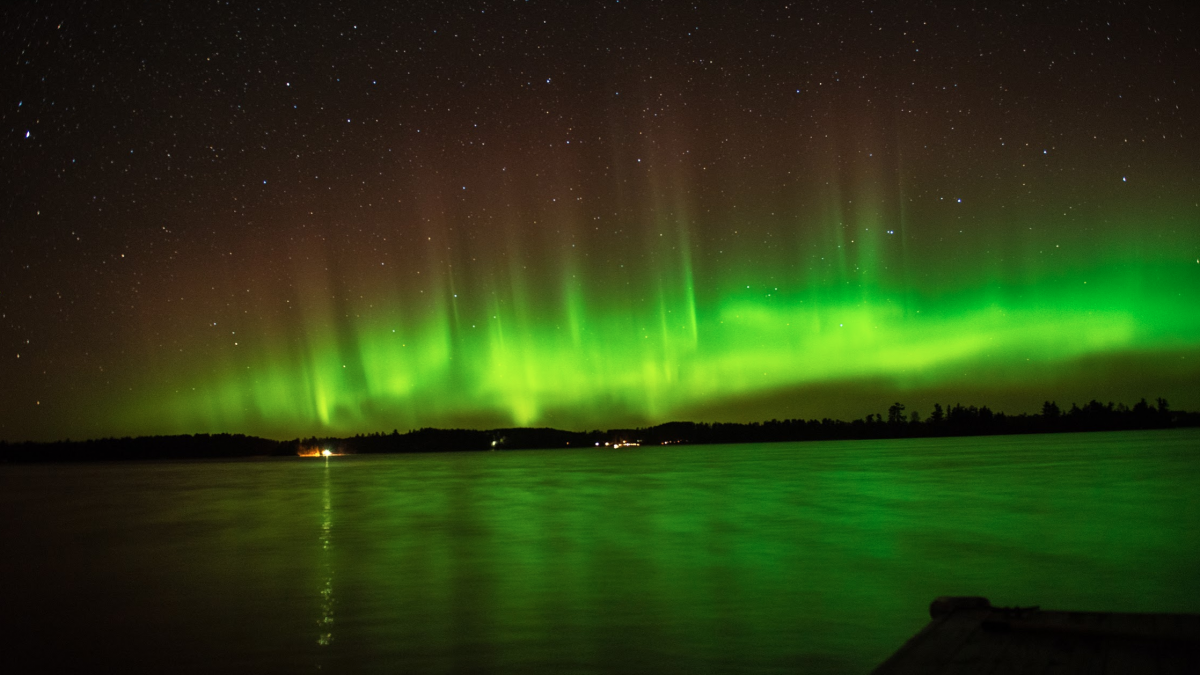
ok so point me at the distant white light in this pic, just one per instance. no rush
(26, 134)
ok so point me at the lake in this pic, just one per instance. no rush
(792, 557)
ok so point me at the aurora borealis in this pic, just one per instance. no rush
(288, 219)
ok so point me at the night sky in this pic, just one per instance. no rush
(288, 219)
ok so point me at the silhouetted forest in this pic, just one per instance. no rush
(899, 422)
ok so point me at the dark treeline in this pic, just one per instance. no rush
(199, 446)
(957, 420)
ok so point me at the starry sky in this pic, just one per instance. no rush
(297, 218)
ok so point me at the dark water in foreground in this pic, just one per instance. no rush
(814, 557)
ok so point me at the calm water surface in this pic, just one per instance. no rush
(813, 557)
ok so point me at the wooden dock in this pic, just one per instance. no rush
(969, 635)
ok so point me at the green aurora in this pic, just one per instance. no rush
(415, 216)
(648, 342)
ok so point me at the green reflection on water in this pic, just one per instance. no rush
(772, 557)
(326, 620)
(817, 557)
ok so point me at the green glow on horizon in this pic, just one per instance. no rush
(651, 342)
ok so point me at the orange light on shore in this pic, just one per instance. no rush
(316, 452)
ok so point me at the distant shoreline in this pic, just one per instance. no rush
(954, 421)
